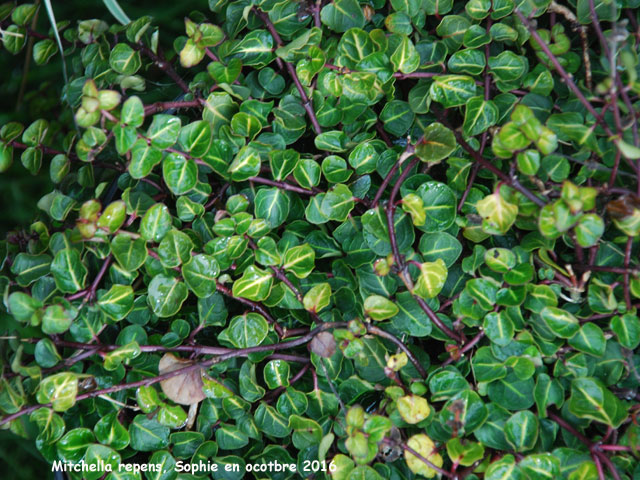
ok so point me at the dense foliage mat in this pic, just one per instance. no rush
(365, 240)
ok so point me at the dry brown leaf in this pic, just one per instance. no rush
(186, 388)
(323, 344)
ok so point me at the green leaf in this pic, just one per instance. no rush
(479, 115)
(22, 306)
(29, 268)
(117, 302)
(468, 60)
(306, 432)
(378, 307)
(627, 330)
(200, 274)
(271, 422)
(337, 203)
(164, 130)
(156, 223)
(166, 295)
(521, 431)
(589, 339)
(272, 205)
(56, 319)
(276, 374)
(255, 284)
(590, 399)
(109, 431)
(561, 322)
(229, 437)
(499, 328)
(147, 435)
(363, 158)
(507, 66)
(73, 445)
(589, 229)
(452, 90)
(180, 174)
(317, 298)
(132, 112)
(405, 57)
(341, 15)
(59, 389)
(397, 117)
(437, 144)
(248, 330)
(68, 271)
(124, 59)
(129, 252)
(333, 141)
(282, 163)
(43, 51)
(175, 249)
(440, 205)
(300, 260)
(143, 159)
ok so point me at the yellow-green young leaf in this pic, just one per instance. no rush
(115, 358)
(343, 467)
(497, 214)
(113, 216)
(414, 206)
(413, 408)
(425, 447)
(378, 307)
(255, 284)
(60, 390)
(437, 144)
(191, 54)
(147, 398)
(464, 452)
(300, 260)
(431, 279)
(317, 298)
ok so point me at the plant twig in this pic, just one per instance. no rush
(163, 65)
(306, 103)
(393, 339)
(195, 366)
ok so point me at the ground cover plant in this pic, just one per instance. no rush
(364, 240)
